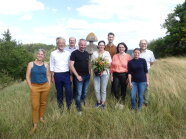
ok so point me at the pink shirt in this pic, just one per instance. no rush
(120, 63)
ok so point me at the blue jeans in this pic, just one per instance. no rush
(100, 87)
(81, 90)
(63, 80)
(140, 88)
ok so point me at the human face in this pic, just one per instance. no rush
(82, 45)
(110, 38)
(101, 46)
(72, 42)
(136, 54)
(60, 44)
(143, 45)
(40, 56)
(121, 48)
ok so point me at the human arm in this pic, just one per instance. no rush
(152, 60)
(48, 72)
(52, 68)
(146, 72)
(72, 68)
(28, 72)
(130, 80)
(129, 75)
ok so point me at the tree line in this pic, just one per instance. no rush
(174, 43)
(15, 55)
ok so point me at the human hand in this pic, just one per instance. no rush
(111, 78)
(79, 78)
(71, 78)
(130, 84)
(52, 79)
(147, 83)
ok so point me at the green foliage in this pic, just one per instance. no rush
(5, 79)
(32, 48)
(99, 65)
(14, 57)
(174, 43)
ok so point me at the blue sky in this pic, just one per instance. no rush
(41, 21)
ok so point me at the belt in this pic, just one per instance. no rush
(62, 72)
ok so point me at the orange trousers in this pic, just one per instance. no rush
(39, 94)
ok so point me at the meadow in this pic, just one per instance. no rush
(165, 117)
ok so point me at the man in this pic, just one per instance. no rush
(72, 45)
(59, 67)
(79, 65)
(71, 48)
(110, 46)
(150, 59)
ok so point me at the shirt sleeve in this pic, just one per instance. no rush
(109, 57)
(72, 56)
(129, 68)
(145, 66)
(152, 57)
(93, 56)
(112, 66)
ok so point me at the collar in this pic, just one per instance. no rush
(60, 51)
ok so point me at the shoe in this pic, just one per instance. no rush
(103, 106)
(97, 105)
(145, 104)
(84, 103)
(80, 113)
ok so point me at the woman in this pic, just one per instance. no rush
(119, 70)
(138, 78)
(101, 80)
(38, 80)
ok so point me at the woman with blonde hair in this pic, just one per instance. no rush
(38, 80)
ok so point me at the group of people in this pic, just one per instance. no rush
(71, 66)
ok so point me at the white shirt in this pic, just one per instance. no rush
(105, 55)
(148, 56)
(59, 61)
(68, 48)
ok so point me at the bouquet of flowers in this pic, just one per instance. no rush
(99, 65)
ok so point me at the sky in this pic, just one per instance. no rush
(41, 21)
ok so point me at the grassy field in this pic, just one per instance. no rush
(165, 117)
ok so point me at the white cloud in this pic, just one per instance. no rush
(27, 17)
(126, 9)
(19, 6)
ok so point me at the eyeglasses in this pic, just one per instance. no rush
(121, 47)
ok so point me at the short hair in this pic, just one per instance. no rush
(110, 33)
(143, 40)
(102, 41)
(122, 43)
(73, 38)
(81, 40)
(41, 50)
(136, 49)
(60, 38)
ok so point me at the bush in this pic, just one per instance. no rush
(5, 79)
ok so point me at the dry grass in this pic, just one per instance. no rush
(164, 118)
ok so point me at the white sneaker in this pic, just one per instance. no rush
(80, 113)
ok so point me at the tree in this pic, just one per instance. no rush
(14, 57)
(174, 43)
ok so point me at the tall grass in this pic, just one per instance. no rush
(165, 117)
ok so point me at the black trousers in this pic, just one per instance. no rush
(119, 85)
